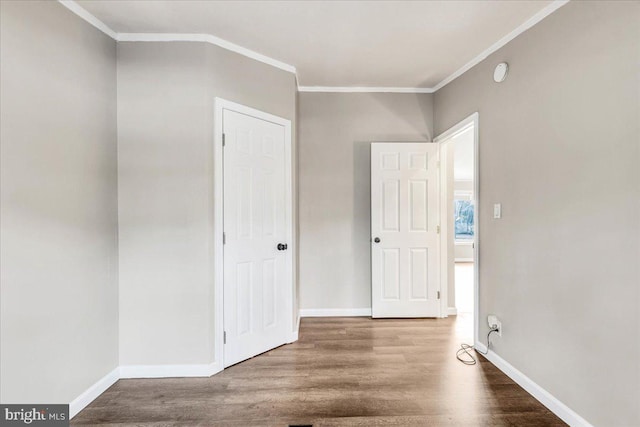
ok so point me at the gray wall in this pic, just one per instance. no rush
(559, 148)
(58, 258)
(336, 130)
(165, 152)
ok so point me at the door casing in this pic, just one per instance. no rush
(218, 225)
(442, 139)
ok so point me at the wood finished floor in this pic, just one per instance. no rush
(341, 372)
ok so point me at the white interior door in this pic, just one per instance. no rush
(404, 230)
(257, 260)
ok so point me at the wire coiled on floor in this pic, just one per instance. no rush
(464, 352)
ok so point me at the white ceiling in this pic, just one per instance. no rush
(415, 44)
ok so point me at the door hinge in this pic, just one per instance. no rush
(438, 294)
(224, 337)
(224, 140)
(438, 164)
(224, 238)
(438, 229)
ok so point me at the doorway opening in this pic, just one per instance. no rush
(463, 221)
(459, 217)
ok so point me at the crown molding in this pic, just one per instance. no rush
(164, 37)
(84, 14)
(548, 10)
(364, 89)
(208, 38)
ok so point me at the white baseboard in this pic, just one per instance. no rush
(90, 394)
(452, 311)
(169, 371)
(565, 413)
(334, 312)
(140, 371)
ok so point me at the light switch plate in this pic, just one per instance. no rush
(497, 211)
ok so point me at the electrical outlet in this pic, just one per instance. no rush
(495, 323)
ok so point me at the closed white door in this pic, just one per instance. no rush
(257, 262)
(405, 230)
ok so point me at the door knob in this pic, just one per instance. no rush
(282, 246)
(377, 240)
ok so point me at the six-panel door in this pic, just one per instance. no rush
(256, 281)
(404, 230)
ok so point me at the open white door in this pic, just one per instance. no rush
(257, 250)
(404, 230)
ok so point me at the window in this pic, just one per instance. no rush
(463, 219)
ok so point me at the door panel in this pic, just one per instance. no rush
(419, 261)
(257, 282)
(391, 274)
(404, 217)
(418, 205)
(391, 205)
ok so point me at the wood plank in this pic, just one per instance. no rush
(342, 372)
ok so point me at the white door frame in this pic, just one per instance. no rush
(443, 138)
(218, 223)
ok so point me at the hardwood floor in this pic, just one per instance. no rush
(341, 372)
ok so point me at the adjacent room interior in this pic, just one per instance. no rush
(320, 213)
(459, 146)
